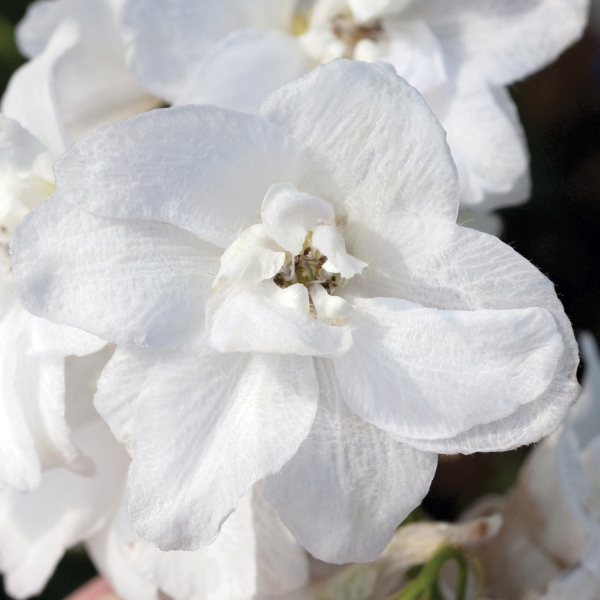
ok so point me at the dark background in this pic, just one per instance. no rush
(558, 230)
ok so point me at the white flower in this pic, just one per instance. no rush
(33, 432)
(76, 80)
(254, 554)
(442, 339)
(461, 55)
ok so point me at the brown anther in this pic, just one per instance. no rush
(346, 29)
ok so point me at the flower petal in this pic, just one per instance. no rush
(445, 266)
(435, 373)
(59, 340)
(330, 242)
(239, 418)
(244, 68)
(252, 258)
(267, 319)
(330, 309)
(36, 528)
(375, 137)
(365, 10)
(166, 42)
(220, 166)
(506, 40)
(119, 387)
(350, 485)
(124, 281)
(288, 215)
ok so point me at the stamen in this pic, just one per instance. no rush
(346, 29)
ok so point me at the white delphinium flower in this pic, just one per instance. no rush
(299, 307)
(33, 432)
(549, 546)
(76, 80)
(460, 55)
(254, 554)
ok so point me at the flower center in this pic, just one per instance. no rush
(306, 268)
(351, 33)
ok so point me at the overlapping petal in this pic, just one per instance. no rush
(207, 427)
(201, 168)
(155, 293)
(374, 135)
(350, 484)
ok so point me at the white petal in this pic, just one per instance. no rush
(252, 258)
(166, 42)
(374, 135)
(119, 387)
(266, 318)
(330, 309)
(487, 142)
(59, 340)
(19, 464)
(418, 372)
(506, 40)
(18, 147)
(220, 165)
(415, 53)
(125, 281)
(288, 215)
(445, 266)
(244, 68)
(350, 485)
(29, 97)
(330, 242)
(237, 418)
(36, 528)
(365, 10)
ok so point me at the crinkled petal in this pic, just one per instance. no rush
(125, 281)
(244, 68)
(374, 136)
(119, 387)
(36, 528)
(350, 485)
(167, 40)
(415, 53)
(267, 319)
(442, 265)
(330, 242)
(288, 215)
(201, 168)
(505, 40)
(252, 258)
(418, 372)
(239, 417)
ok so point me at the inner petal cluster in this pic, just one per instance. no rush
(297, 244)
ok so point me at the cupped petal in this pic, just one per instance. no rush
(330, 309)
(487, 141)
(445, 266)
(415, 53)
(119, 387)
(350, 485)
(374, 136)
(267, 319)
(238, 418)
(330, 243)
(166, 41)
(244, 68)
(36, 528)
(506, 40)
(252, 258)
(201, 168)
(130, 281)
(288, 215)
(418, 372)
